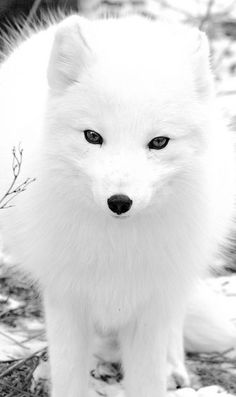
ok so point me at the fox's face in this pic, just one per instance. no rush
(130, 125)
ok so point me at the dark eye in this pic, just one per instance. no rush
(93, 137)
(158, 143)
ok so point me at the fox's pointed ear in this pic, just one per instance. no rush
(70, 53)
(201, 65)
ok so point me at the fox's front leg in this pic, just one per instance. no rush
(177, 373)
(144, 354)
(68, 335)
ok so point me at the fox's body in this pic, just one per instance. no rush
(130, 81)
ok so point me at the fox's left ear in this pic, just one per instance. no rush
(69, 54)
(200, 56)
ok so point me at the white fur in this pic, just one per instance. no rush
(130, 80)
(209, 325)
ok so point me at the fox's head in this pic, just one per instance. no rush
(128, 110)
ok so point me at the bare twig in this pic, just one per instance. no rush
(20, 362)
(21, 345)
(214, 358)
(230, 6)
(207, 16)
(217, 62)
(165, 4)
(37, 336)
(14, 190)
(32, 13)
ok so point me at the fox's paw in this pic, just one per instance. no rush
(178, 377)
(181, 377)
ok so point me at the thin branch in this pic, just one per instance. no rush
(14, 190)
(32, 13)
(21, 345)
(217, 62)
(214, 358)
(165, 4)
(208, 14)
(22, 361)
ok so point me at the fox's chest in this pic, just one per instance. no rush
(115, 299)
(119, 284)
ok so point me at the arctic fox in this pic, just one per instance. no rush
(134, 187)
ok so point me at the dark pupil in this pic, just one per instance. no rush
(93, 136)
(159, 141)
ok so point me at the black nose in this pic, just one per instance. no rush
(119, 203)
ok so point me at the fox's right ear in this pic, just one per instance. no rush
(200, 56)
(69, 55)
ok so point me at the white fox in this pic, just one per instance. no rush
(134, 187)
